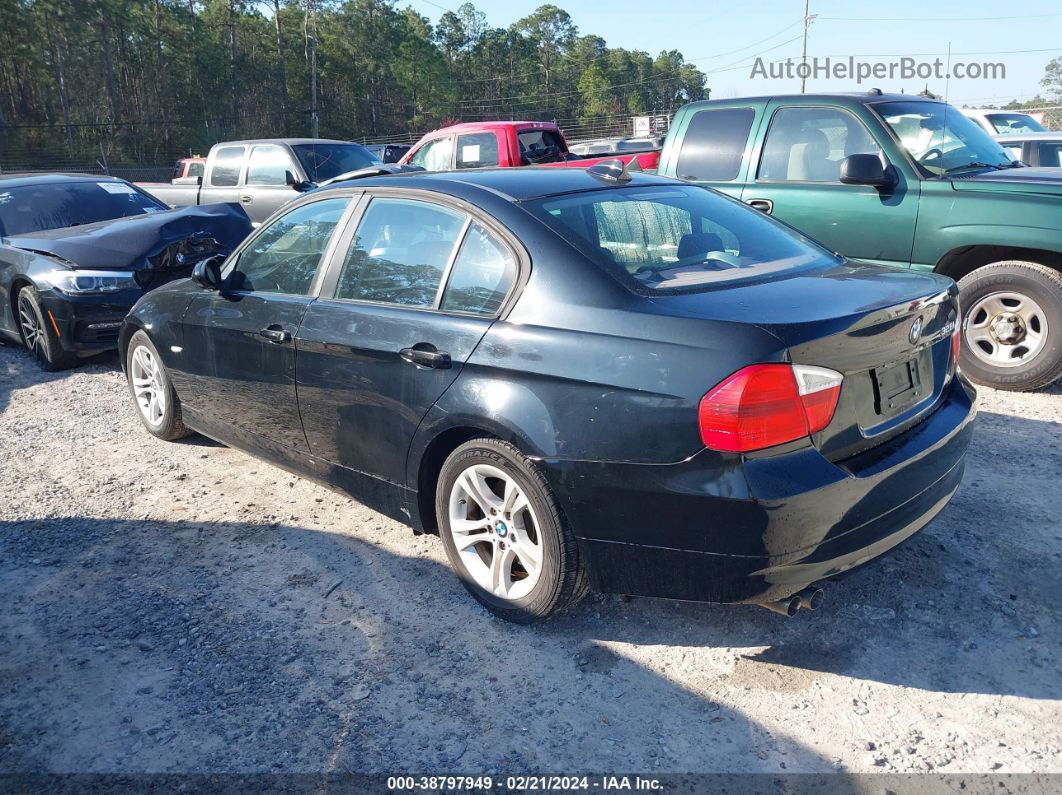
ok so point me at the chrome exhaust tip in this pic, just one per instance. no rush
(808, 599)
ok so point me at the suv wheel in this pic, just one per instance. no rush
(1012, 325)
(504, 534)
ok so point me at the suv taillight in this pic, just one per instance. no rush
(768, 404)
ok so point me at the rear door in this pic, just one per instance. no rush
(410, 293)
(223, 179)
(797, 179)
(238, 358)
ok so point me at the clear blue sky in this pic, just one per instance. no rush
(727, 37)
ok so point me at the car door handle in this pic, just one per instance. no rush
(763, 205)
(246, 198)
(422, 357)
(276, 334)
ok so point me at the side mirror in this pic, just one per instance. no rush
(207, 273)
(865, 170)
(294, 182)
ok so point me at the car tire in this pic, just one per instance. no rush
(525, 565)
(39, 334)
(156, 402)
(1012, 325)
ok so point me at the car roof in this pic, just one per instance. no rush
(15, 180)
(288, 141)
(513, 184)
(851, 98)
(1047, 135)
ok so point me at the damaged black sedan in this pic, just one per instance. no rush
(76, 252)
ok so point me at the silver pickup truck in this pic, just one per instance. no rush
(263, 174)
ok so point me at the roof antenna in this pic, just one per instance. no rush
(614, 170)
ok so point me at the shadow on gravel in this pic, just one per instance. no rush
(162, 646)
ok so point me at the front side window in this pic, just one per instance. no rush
(284, 258)
(714, 144)
(196, 169)
(662, 238)
(434, 155)
(228, 161)
(400, 252)
(940, 138)
(268, 165)
(808, 145)
(478, 150)
(482, 274)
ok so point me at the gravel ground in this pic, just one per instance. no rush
(184, 607)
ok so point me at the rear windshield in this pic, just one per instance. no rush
(325, 161)
(35, 208)
(664, 238)
(1010, 123)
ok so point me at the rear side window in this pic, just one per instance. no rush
(481, 276)
(1051, 155)
(714, 144)
(225, 172)
(400, 252)
(478, 150)
(434, 155)
(540, 146)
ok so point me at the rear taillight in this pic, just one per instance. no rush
(768, 404)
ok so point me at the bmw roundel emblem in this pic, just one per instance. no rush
(915, 333)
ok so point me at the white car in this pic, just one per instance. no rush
(1004, 122)
(1035, 148)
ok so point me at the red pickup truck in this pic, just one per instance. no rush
(503, 144)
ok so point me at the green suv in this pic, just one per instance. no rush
(899, 180)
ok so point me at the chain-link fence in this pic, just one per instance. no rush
(1052, 116)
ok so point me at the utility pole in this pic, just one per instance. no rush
(804, 49)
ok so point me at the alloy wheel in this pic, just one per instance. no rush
(495, 532)
(1006, 329)
(32, 334)
(146, 377)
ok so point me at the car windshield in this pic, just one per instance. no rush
(326, 161)
(662, 238)
(941, 139)
(1009, 123)
(35, 208)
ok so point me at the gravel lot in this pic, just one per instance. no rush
(183, 607)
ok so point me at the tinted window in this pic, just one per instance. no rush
(33, 208)
(268, 165)
(481, 276)
(677, 238)
(1051, 155)
(434, 155)
(540, 146)
(326, 160)
(477, 151)
(714, 144)
(226, 170)
(284, 258)
(400, 252)
(808, 144)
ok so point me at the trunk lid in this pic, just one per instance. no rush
(887, 331)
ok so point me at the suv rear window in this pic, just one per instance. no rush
(714, 144)
(663, 238)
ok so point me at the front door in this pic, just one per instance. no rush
(408, 299)
(797, 180)
(266, 187)
(238, 357)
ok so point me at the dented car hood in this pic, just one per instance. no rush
(151, 241)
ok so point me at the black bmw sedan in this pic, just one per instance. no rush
(576, 379)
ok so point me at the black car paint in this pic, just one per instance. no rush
(600, 386)
(158, 247)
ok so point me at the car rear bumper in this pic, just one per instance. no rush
(726, 529)
(88, 324)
